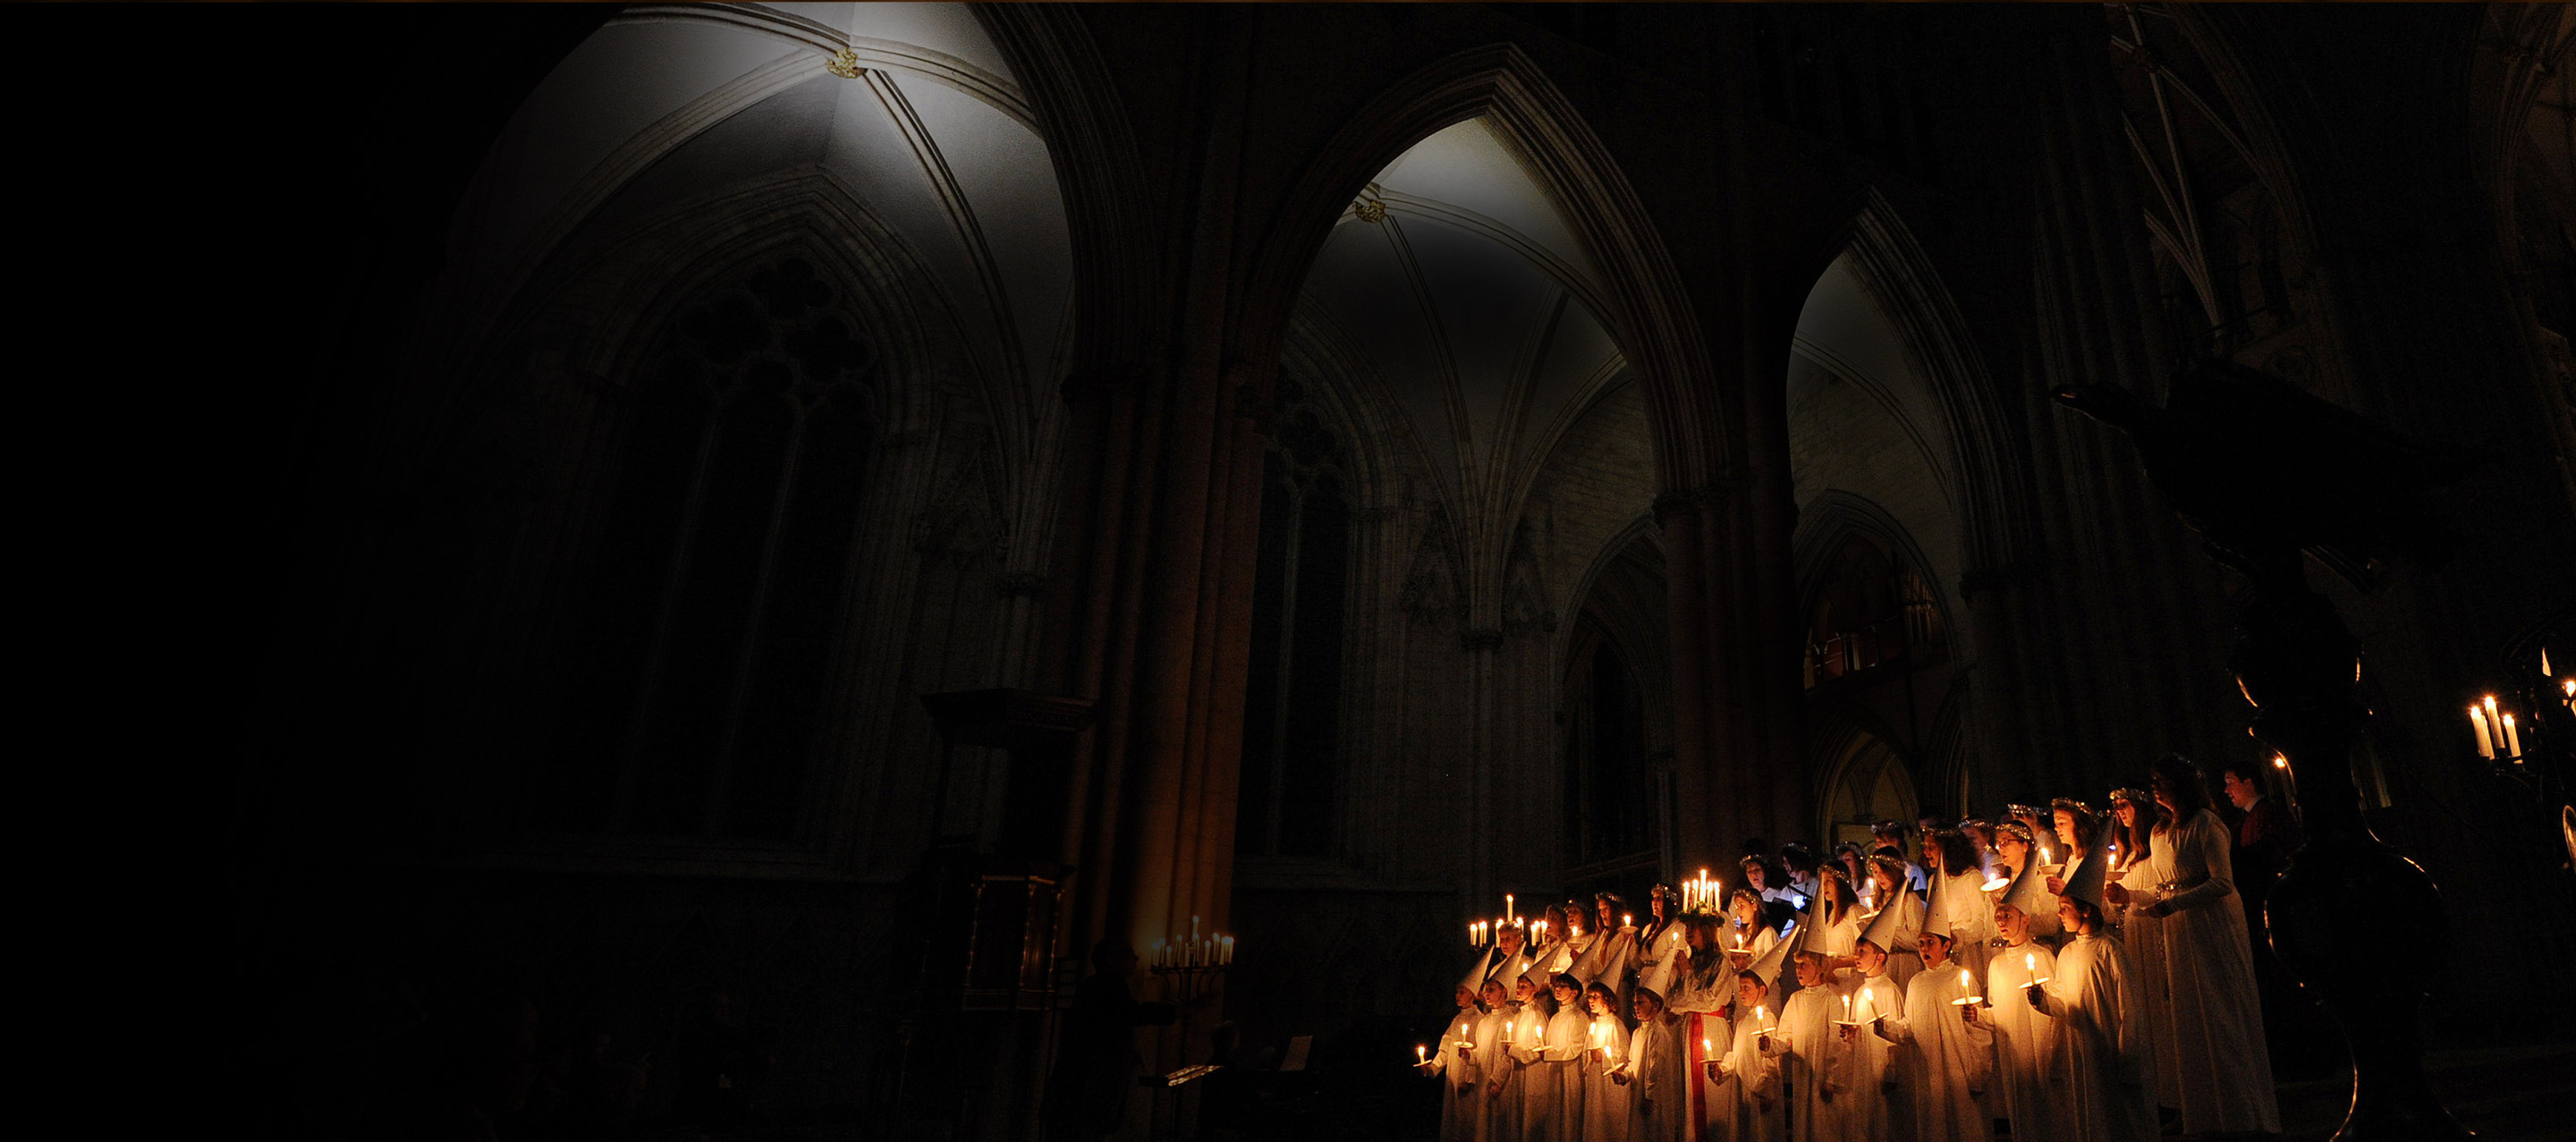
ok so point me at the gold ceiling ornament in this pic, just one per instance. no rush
(845, 63)
(1369, 208)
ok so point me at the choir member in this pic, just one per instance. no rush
(1800, 861)
(1498, 1116)
(1536, 1070)
(1453, 1061)
(1614, 954)
(1569, 1031)
(1505, 961)
(1837, 915)
(1854, 862)
(2018, 852)
(2108, 1075)
(1664, 944)
(2211, 1009)
(1749, 930)
(1606, 1108)
(1743, 1083)
(2077, 826)
(1907, 911)
(1801, 1042)
(1860, 1070)
(1946, 1060)
(1890, 835)
(1981, 840)
(1652, 1072)
(1701, 987)
(1958, 902)
(2140, 866)
(2027, 1063)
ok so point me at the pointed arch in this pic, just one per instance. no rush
(1834, 517)
(1646, 308)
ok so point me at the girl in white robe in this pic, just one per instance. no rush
(1652, 1072)
(1947, 1062)
(1663, 944)
(1744, 1083)
(1958, 904)
(2016, 851)
(2028, 1061)
(2211, 1011)
(1800, 1044)
(2141, 866)
(1614, 954)
(1700, 989)
(1497, 1120)
(1889, 874)
(2109, 1078)
(1606, 1104)
(1837, 917)
(1455, 1066)
(1568, 1033)
(1749, 933)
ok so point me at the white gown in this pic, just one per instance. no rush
(1903, 960)
(1609, 958)
(2029, 1063)
(1535, 1077)
(2145, 940)
(1862, 1072)
(1458, 1087)
(1746, 1079)
(1947, 1065)
(1694, 1001)
(1655, 1092)
(1971, 922)
(2211, 1012)
(2109, 1074)
(1567, 1032)
(1498, 1117)
(1606, 1108)
(1800, 1046)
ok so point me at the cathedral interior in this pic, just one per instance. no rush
(787, 524)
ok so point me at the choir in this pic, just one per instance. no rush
(2059, 974)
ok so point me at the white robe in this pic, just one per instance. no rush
(2145, 939)
(1567, 1032)
(1498, 1116)
(1970, 919)
(1695, 1000)
(1656, 1091)
(1606, 1108)
(1947, 1065)
(1904, 960)
(2210, 1010)
(1800, 1046)
(2029, 1063)
(1746, 1079)
(1458, 1086)
(1861, 1071)
(1541, 1091)
(1609, 959)
(2110, 1084)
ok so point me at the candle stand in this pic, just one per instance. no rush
(1183, 985)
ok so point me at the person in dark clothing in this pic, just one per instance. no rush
(1096, 1061)
(2266, 835)
(2264, 838)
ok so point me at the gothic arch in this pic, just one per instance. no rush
(1647, 310)
(1840, 753)
(1835, 516)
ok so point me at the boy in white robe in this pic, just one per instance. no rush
(1568, 1031)
(2110, 1081)
(1453, 1061)
(1800, 1044)
(1945, 1059)
(1861, 1069)
(1496, 1119)
(2027, 1058)
(1743, 1080)
(1652, 1072)
(1530, 1081)
(1606, 1104)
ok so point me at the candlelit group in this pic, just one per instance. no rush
(2056, 976)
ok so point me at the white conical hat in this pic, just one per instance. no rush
(1936, 920)
(1882, 926)
(1769, 965)
(2029, 891)
(2085, 883)
(1490, 966)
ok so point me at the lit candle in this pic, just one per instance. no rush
(1627, 920)
(2512, 740)
(1508, 914)
(1847, 1009)
(1865, 1005)
(1704, 1050)
(2478, 721)
(1229, 949)
(1420, 1055)
(1194, 927)
(2495, 723)
(1471, 934)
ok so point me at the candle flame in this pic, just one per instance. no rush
(2280, 761)
(2029, 962)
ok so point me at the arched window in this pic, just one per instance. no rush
(1872, 610)
(1609, 794)
(1292, 721)
(693, 692)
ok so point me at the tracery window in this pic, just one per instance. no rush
(1292, 723)
(693, 694)
(1873, 610)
